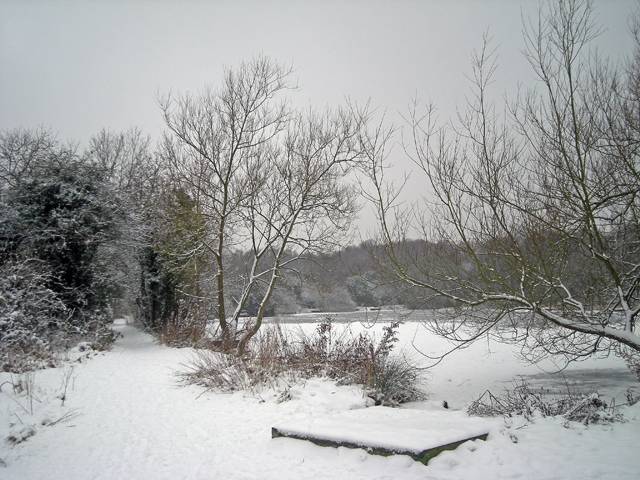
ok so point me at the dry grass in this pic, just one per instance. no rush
(275, 356)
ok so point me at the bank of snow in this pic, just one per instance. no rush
(124, 417)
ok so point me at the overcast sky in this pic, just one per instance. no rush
(76, 67)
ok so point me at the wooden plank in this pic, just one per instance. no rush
(422, 456)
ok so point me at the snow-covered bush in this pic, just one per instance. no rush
(276, 355)
(56, 211)
(29, 313)
(388, 379)
(395, 381)
(65, 219)
(35, 323)
(524, 401)
(631, 358)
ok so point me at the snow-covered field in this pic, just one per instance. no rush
(124, 417)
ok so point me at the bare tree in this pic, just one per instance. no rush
(25, 153)
(262, 178)
(532, 228)
(307, 204)
(128, 162)
(219, 150)
(136, 181)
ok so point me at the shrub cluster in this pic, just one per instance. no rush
(35, 323)
(527, 402)
(631, 358)
(59, 220)
(276, 355)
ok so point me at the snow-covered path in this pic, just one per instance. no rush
(134, 422)
(137, 421)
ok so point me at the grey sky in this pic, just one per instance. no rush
(79, 66)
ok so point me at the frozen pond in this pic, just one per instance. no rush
(608, 382)
(366, 317)
(484, 365)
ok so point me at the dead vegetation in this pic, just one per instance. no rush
(523, 400)
(277, 356)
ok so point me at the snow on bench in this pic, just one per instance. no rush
(389, 431)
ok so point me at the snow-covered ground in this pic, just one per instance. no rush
(124, 417)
